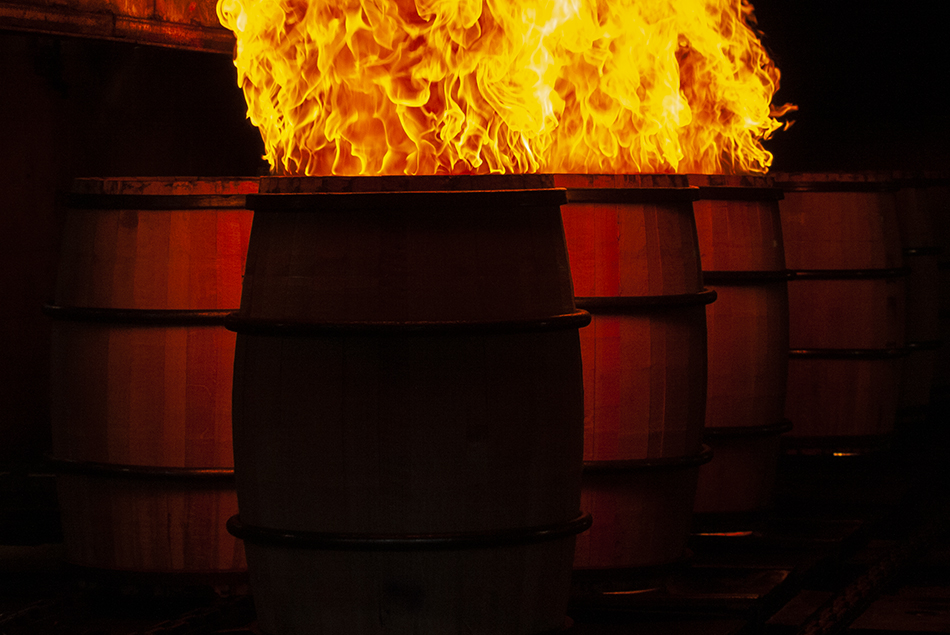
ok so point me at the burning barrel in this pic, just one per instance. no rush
(408, 406)
(636, 268)
(743, 260)
(141, 372)
(846, 310)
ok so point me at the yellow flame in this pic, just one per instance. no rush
(351, 87)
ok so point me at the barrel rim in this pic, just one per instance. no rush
(727, 277)
(290, 328)
(382, 183)
(849, 353)
(626, 466)
(162, 317)
(96, 468)
(635, 196)
(436, 541)
(736, 193)
(605, 304)
(100, 184)
(850, 274)
(765, 430)
(736, 180)
(155, 202)
(174, 580)
(402, 201)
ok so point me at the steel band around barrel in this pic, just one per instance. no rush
(161, 317)
(634, 195)
(335, 541)
(264, 326)
(72, 466)
(850, 274)
(848, 353)
(155, 202)
(738, 277)
(605, 304)
(729, 432)
(650, 464)
(398, 201)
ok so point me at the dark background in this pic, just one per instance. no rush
(870, 80)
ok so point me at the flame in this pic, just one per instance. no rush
(351, 87)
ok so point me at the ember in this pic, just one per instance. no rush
(350, 87)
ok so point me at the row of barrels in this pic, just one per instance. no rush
(423, 422)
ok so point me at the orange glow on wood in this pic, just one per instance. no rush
(747, 325)
(742, 251)
(644, 367)
(148, 394)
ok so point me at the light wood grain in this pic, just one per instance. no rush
(747, 325)
(859, 314)
(853, 228)
(842, 398)
(641, 520)
(147, 395)
(644, 368)
(748, 335)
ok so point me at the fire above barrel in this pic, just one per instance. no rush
(408, 406)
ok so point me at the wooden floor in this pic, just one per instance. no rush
(854, 545)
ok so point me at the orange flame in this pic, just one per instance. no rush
(350, 87)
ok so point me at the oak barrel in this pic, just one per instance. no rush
(846, 310)
(921, 257)
(636, 268)
(937, 200)
(408, 406)
(743, 260)
(737, 486)
(141, 372)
